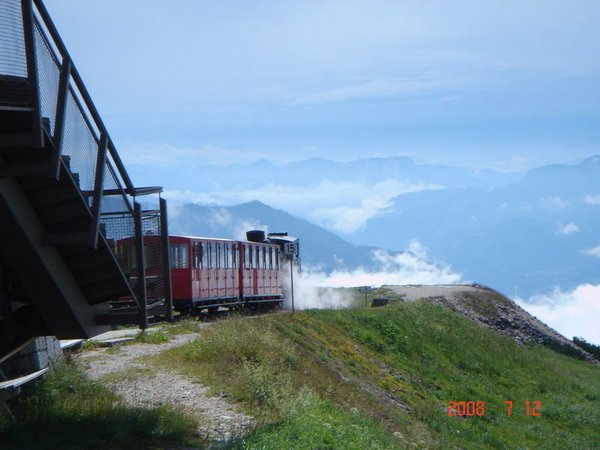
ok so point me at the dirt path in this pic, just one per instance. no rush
(146, 386)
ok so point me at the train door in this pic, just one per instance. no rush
(181, 275)
(269, 269)
(229, 272)
(221, 272)
(213, 281)
(254, 254)
(203, 276)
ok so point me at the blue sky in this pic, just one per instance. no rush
(503, 84)
(509, 85)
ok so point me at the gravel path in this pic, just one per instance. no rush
(218, 419)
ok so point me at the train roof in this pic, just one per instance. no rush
(217, 239)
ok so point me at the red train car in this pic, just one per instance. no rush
(210, 272)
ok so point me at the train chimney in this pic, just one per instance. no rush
(255, 236)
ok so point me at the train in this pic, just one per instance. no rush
(209, 273)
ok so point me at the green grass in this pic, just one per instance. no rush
(68, 411)
(151, 337)
(375, 360)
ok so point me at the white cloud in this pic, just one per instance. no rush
(343, 206)
(166, 156)
(592, 199)
(372, 89)
(567, 229)
(595, 251)
(409, 267)
(574, 313)
(554, 203)
(314, 289)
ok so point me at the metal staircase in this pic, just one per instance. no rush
(65, 197)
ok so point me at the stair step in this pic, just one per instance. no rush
(72, 226)
(65, 239)
(97, 274)
(84, 260)
(105, 291)
(15, 140)
(63, 212)
(31, 184)
(53, 194)
(17, 170)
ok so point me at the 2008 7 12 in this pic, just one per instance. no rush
(473, 408)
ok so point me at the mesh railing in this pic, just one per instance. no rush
(12, 43)
(48, 73)
(79, 144)
(14, 86)
(153, 255)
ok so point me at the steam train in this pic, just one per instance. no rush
(209, 273)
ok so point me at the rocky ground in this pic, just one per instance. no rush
(493, 310)
(123, 370)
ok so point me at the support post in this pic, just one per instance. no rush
(141, 279)
(61, 110)
(34, 95)
(164, 238)
(292, 281)
(98, 184)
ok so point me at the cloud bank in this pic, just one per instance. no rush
(316, 289)
(342, 206)
(574, 313)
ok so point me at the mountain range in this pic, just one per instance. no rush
(519, 233)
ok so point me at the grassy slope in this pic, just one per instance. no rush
(339, 379)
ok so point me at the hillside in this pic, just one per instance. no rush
(357, 378)
(489, 308)
(319, 247)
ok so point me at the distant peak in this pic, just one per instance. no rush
(591, 161)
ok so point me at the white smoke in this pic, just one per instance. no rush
(573, 313)
(316, 289)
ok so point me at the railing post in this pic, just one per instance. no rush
(32, 76)
(61, 110)
(141, 279)
(98, 185)
(164, 240)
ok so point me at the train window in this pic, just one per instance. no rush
(204, 256)
(152, 255)
(179, 256)
(229, 261)
(227, 253)
(270, 258)
(246, 256)
(126, 251)
(234, 256)
(266, 257)
(277, 258)
(253, 255)
(194, 255)
(211, 255)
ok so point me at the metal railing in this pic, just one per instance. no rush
(64, 114)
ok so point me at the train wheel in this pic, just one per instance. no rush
(213, 309)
